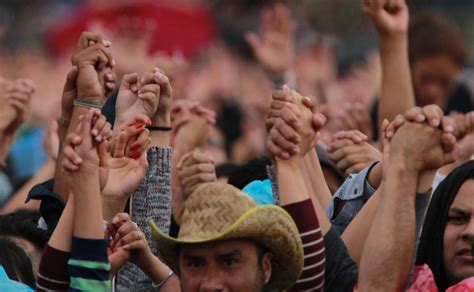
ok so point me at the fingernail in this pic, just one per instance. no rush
(449, 129)
(138, 124)
(434, 122)
(98, 138)
(420, 118)
(113, 63)
(134, 154)
(296, 150)
(148, 122)
(389, 134)
(285, 155)
(77, 160)
(94, 132)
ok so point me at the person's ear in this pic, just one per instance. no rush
(267, 266)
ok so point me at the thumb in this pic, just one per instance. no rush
(102, 152)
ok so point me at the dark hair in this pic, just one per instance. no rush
(430, 250)
(225, 169)
(24, 224)
(254, 169)
(431, 34)
(16, 263)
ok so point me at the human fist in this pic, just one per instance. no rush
(353, 116)
(17, 94)
(421, 146)
(351, 153)
(90, 62)
(195, 168)
(390, 17)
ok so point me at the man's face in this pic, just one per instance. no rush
(227, 265)
(434, 79)
(458, 253)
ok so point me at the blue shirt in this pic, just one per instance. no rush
(355, 192)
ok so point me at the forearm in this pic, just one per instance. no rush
(356, 233)
(5, 144)
(392, 235)
(316, 176)
(375, 176)
(152, 198)
(17, 201)
(396, 95)
(87, 201)
(292, 187)
(307, 222)
(161, 138)
(155, 269)
(111, 206)
(176, 204)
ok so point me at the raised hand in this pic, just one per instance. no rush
(294, 124)
(351, 153)
(18, 95)
(162, 115)
(464, 131)
(127, 237)
(353, 116)
(274, 48)
(127, 162)
(191, 124)
(195, 168)
(143, 96)
(390, 17)
(91, 62)
(80, 150)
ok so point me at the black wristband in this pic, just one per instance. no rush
(154, 128)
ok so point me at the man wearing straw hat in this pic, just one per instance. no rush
(227, 242)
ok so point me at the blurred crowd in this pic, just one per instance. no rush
(236, 145)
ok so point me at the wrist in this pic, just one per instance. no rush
(161, 120)
(111, 206)
(404, 168)
(294, 162)
(389, 43)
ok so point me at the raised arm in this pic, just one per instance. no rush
(91, 49)
(390, 19)
(414, 148)
(296, 194)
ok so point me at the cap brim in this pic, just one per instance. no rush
(270, 226)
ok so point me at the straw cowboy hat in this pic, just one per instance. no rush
(218, 211)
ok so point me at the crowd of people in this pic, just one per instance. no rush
(253, 168)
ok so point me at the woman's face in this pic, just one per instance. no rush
(458, 253)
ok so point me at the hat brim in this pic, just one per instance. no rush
(270, 226)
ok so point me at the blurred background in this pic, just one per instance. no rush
(200, 44)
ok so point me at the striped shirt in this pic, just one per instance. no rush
(89, 266)
(312, 277)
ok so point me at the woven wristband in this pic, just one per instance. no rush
(87, 104)
(154, 128)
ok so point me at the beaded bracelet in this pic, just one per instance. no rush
(87, 103)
